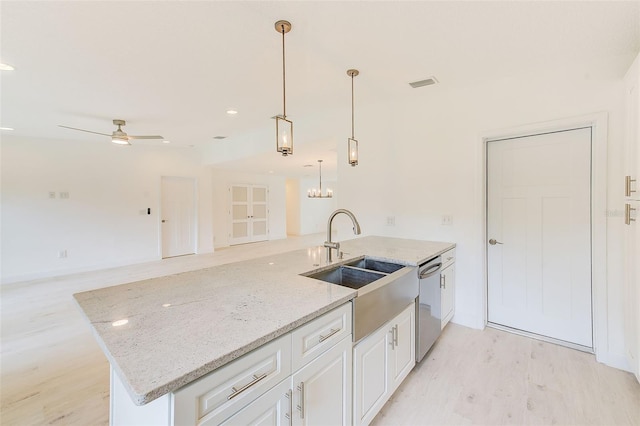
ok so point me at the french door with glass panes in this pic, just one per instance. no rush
(249, 214)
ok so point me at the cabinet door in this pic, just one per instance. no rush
(402, 353)
(322, 389)
(370, 363)
(271, 409)
(447, 292)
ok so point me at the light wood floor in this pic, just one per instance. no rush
(53, 372)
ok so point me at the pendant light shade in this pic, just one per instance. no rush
(313, 193)
(352, 143)
(284, 127)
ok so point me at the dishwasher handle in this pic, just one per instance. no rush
(430, 270)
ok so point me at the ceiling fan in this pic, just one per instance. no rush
(118, 136)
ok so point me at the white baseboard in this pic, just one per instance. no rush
(11, 279)
(468, 320)
(618, 361)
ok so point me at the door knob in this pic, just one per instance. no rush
(164, 220)
(493, 242)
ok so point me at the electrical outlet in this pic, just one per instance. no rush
(52, 194)
(391, 221)
(62, 254)
(447, 219)
(64, 195)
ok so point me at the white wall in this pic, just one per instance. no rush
(293, 206)
(314, 212)
(421, 157)
(223, 179)
(100, 224)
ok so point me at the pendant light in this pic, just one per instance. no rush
(312, 193)
(352, 144)
(284, 127)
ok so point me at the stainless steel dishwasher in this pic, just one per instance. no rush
(428, 308)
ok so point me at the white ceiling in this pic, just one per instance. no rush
(174, 67)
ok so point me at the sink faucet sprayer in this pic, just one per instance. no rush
(330, 245)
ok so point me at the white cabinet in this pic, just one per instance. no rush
(370, 375)
(303, 377)
(402, 356)
(322, 389)
(271, 409)
(216, 396)
(318, 394)
(381, 361)
(447, 286)
(631, 226)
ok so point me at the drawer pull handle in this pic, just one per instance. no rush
(395, 335)
(255, 380)
(628, 216)
(289, 415)
(627, 186)
(331, 333)
(300, 407)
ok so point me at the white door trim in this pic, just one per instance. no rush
(599, 124)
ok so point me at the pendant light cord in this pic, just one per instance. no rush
(320, 164)
(284, 90)
(352, 108)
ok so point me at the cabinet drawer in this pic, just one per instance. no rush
(315, 337)
(216, 396)
(448, 257)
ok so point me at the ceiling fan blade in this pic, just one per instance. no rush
(82, 130)
(145, 137)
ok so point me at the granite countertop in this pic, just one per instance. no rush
(180, 327)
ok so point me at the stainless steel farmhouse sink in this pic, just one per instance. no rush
(347, 276)
(384, 290)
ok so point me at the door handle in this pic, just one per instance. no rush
(493, 242)
(164, 220)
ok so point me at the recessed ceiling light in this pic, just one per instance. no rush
(7, 128)
(219, 137)
(166, 141)
(232, 111)
(308, 165)
(6, 67)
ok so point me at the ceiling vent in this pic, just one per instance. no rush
(219, 137)
(428, 82)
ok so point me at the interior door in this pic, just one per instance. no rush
(539, 232)
(249, 214)
(178, 216)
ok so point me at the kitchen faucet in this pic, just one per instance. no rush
(330, 245)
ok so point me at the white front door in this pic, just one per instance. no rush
(539, 234)
(178, 216)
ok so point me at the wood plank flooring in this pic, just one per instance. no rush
(492, 377)
(53, 372)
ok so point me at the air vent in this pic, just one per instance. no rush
(219, 137)
(428, 82)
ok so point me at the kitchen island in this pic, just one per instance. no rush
(164, 333)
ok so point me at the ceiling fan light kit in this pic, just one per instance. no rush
(118, 136)
(284, 127)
